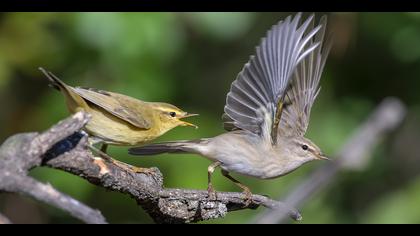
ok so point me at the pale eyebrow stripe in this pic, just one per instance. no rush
(313, 151)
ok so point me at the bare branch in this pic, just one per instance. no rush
(63, 147)
(46, 193)
(43, 142)
(226, 201)
(22, 152)
(163, 205)
(354, 155)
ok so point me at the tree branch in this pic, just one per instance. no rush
(46, 193)
(62, 147)
(163, 205)
(354, 155)
(22, 152)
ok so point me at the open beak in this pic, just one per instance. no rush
(184, 123)
(321, 156)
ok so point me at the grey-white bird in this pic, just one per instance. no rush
(267, 108)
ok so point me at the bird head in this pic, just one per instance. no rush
(305, 150)
(170, 116)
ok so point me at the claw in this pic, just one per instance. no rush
(125, 166)
(247, 197)
(135, 169)
(142, 170)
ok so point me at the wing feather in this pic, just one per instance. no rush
(305, 85)
(124, 107)
(264, 79)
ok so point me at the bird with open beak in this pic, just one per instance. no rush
(118, 119)
(267, 108)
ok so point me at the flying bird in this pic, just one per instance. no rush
(267, 108)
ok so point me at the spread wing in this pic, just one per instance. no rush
(305, 86)
(254, 96)
(121, 106)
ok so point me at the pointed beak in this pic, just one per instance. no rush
(184, 123)
(189, 115)
(321, 156)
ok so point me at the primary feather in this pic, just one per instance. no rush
(305, 86)
(251, 103)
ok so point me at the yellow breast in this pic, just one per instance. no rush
(113, 130)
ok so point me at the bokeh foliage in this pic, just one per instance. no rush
(190, 59)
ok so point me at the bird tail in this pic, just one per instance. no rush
(55, 82)
(190, 146)
(74, 101)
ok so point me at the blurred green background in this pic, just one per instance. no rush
(190, 60)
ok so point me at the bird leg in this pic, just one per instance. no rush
(210, 189)
(246, 191)
(102, 153)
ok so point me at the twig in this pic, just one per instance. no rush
(4, 220)
(22, 152)
(354, 155)
(231, 201)
(61, 147)
(46, 193)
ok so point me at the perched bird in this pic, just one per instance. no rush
(267, 108)
(118, 119)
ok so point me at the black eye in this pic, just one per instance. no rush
(305, 147)
(173, 114)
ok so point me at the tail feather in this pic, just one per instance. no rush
(55, 82)
(74, 101)
(166, 147)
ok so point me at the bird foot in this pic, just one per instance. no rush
(142, 170)
(211, 193)
(135, 169)
(130, 168)
(125, 166)
(247, 197)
